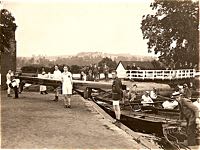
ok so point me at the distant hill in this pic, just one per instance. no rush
(117, 57)
(80, 59)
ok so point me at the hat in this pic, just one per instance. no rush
(134, 85)
(127, 89)
(43, 72)
(185, 85)
(176, 94)
(147, 92)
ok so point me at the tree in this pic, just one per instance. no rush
(7, 27)
(172, 32)
(108, 61)
(75, 69)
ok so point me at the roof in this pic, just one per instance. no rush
(141, 64)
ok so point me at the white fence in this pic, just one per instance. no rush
(160, 74)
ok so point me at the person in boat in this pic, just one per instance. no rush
(180, 89)
(190, 112)
(186, 91)
(197, 103)
(133, 92)
(126, 95)
(170, 104)
(116, 95)
(153, 94)
(146, 99)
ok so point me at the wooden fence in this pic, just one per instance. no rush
(160, 74)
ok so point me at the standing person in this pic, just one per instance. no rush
(14, 84)
(191, 114)
(8, 81)
(90, 76)
(95, 72)
(106, 71)
(43, 88)
(67, 86)
(116, 95)
(84, 76)
(56, 75)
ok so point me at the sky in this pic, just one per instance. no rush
(52, 28)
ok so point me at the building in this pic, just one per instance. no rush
(123, 66)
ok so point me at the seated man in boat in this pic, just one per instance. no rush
(186, 91)
(133, 92)
(146, 99)
(153, 94)
(197, 103)
(170, 104)
(190, 112)
(126, 95)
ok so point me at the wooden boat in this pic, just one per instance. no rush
(57, 82)
(151, 120)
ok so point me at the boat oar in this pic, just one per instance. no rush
(167, 98)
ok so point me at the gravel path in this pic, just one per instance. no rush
(34, 121)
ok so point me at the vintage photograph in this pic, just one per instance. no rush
(100, 74)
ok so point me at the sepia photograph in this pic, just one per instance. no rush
(100, 74)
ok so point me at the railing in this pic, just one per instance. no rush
(160, 74)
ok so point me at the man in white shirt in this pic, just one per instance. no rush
(56, 75)
(67, 83)
(146, 99)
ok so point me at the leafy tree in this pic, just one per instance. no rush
(109, 62)
(173, 31)
(7, 27)
(75, 69)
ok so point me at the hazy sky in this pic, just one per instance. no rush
(68, 27)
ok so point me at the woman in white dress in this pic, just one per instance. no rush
(67, 86)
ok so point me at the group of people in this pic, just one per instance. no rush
(181, 98)
(67, 85)
(92, 73)
(65, 77)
